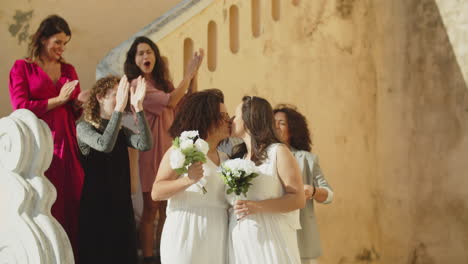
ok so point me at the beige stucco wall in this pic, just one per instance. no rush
(318, 57)
(97, 26)
(422, 122)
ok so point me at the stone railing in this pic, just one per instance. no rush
(28, 231)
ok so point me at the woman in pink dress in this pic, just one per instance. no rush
(143, 58)
(44, 84)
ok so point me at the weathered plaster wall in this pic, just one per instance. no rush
(318, 57)
(422, 140)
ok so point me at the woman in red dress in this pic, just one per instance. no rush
(44, 84)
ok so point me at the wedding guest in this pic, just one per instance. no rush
(107, 223)
(144, 59)
(294, 132)
(47, 85)
(262, 228)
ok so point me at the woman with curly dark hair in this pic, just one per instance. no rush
(195, 231)
(144, 59)
(48, 86)
(293, 131)
(107, 231)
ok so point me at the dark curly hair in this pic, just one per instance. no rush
(199, 111)
(299, 134)
(50, 26)
(160, 72)
(257, 115)
(91, 109)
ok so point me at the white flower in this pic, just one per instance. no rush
(188, 135)
(177, 158)
(186, 144)
(202, 146)
(237, 165)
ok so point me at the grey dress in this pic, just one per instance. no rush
(308, 237)
(107, 232)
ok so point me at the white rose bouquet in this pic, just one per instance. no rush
(238, 174)
(187, 149)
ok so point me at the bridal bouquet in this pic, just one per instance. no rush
(238, 174)
(187, 149)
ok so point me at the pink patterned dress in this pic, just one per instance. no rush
(31, 88)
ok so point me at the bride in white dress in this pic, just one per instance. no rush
(195, 231)
(262, 228)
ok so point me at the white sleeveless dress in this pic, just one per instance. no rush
(195, 231)
(264, 238)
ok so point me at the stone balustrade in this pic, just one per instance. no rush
(28, 232)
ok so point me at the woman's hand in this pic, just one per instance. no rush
(66, 91)
(137, 95)
(194, 64)
(83, 97)
(308, 191)
(121, 97)
(195, 172)
(243, 208)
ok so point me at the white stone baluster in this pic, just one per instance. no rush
(28, 232)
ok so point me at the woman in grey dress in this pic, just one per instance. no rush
(107, 232)
(292, 129)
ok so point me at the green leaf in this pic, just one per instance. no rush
(176, 142)
(181, 171)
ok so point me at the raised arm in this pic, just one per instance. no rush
(143, 140)
(190, 79)
(105, 141)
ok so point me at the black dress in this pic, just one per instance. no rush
(107, 231)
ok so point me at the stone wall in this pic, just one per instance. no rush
(422, 122)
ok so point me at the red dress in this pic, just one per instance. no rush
(30, 88)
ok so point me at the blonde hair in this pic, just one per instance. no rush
(92, 108)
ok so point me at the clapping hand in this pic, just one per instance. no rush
(121, 97)
(66, 91)
(194, 64)
(138, 94)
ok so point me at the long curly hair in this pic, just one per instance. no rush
(257, 115)
(50, 26)
(299, 134)
(199, 111)
(91, 108)
(160, 72)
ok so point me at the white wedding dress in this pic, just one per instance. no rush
(195, 231)
(264, 238)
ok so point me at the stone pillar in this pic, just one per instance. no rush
(28, 231)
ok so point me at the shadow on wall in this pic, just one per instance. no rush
(428, 93)
(20, 29)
